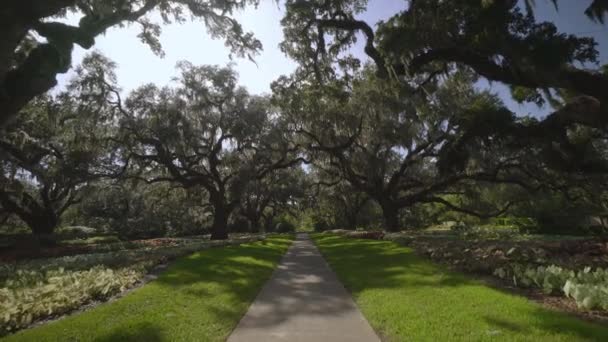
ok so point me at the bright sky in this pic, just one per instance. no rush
(137, 65)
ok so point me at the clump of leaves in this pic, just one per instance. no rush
(485, 232)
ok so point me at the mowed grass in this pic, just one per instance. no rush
(198, 298)
(406, 298)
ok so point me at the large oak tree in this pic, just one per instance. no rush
(57, 146)
(207, 133)
(404, 148)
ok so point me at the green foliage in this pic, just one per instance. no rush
(93, 240)
(522, 223)
(485, 232)
(554, 213)
(285, 224)
(588, 288)
(143, 211)
(278, 193)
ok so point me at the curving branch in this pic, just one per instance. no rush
(357, 25)
(471, 212)
(586, 82)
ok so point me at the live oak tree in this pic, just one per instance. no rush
(498, 40)
(206, 133)
(277, 193)
(397, 146)
(337, 204)
(36, 42)
(56, 147)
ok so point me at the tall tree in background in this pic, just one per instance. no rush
(337, 204)
(56, 146)
(276, 193)
(399, 147)
(206, 133)
(29, 65)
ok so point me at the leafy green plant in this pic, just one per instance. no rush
(588, 288)
(39, 294)
(485, 232)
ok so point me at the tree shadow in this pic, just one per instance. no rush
(144, 332)
(388, 267)
(237, 273)
(367, 264)
(196, 297)
(298, 287)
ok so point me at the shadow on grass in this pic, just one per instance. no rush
(198, 297)
(385, 265)
(235, 273)
(144, 332)
(429, 291)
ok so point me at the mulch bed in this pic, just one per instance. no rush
(486, 256)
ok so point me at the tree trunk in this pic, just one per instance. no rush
(41, 220)
(351, 221)
(42, 225)
(254, 222)
(219, 230)
(391, 216)
(268, 223)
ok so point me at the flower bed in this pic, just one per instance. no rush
(484, 256)
(589, 289)
(114, 258)
(34, 295)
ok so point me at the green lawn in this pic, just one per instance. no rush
(406, 298)
(199, 298)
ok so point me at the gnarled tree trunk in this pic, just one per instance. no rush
(219, 230)
(390, 212)
(42, 225)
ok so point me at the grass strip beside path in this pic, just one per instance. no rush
(200, 297)
(407, 298)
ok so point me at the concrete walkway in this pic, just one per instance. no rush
(303, 301)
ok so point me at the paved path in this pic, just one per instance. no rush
(303, 301)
